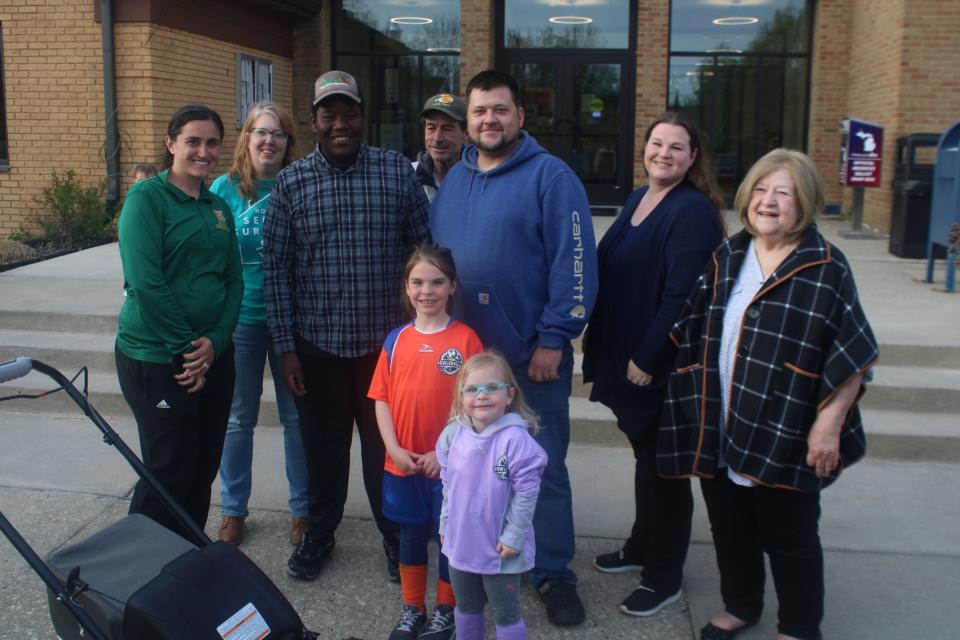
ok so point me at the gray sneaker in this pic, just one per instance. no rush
(410, 622)
(440, 625)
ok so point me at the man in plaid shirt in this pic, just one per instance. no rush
(340, 226)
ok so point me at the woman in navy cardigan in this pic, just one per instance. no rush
(649, 261)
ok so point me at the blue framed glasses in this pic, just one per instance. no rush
(488, 388)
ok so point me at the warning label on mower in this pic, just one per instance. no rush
(246, 624)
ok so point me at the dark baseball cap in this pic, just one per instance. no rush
(336, 83)
(448, 104)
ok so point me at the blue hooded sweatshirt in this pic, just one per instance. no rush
(522, 238)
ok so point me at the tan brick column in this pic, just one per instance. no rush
(311, 57)
(477, 38)
(653, 63)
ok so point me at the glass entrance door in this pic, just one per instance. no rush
(574, 108)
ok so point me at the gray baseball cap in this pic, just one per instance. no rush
(448, 104)
(336, 83)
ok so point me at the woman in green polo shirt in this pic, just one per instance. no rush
(183, 287)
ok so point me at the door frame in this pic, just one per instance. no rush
(603, 195)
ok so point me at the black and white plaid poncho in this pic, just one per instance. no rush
(803, 335)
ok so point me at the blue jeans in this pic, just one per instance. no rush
(253, 347)
(553, 519)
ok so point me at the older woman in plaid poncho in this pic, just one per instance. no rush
(773, 348)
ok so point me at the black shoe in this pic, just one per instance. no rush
(615, 562)
(646, 601)
(441, 624)
(393, 562)
(309, 556)
(564, 607)
(410, 623)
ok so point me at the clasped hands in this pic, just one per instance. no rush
(196, 363)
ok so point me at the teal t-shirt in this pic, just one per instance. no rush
(248, 219)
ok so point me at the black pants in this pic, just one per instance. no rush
(181, 434)
(660, 535)
(336, 398)
(748, 521)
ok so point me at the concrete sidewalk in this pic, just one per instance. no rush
(889, 526)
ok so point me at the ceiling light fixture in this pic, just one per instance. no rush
(721, 51)
(411, 20)
(736, 21)
(697, 74)
(570, 20)
(443, 49)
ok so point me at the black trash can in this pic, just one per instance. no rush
(912, 191)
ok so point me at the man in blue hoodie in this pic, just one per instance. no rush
(518, 222)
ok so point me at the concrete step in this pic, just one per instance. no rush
(895, 435)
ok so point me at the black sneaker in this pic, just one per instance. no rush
(614, 562)
(410, 623)
(440, 626)
(646, 601)
(309, 556)
(393, 562)
(564, 607)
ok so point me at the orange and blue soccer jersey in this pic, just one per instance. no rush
(415, 375)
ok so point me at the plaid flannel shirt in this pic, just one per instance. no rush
(802, 336)
(334, 246)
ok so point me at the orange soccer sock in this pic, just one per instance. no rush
(445, 593)
(413, 584)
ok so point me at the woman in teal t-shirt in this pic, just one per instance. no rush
(265, 146)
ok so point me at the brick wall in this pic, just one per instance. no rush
(311, 58)
(54, 97)
(891, 62)
(53, 76)
(477, 38)
(653, 62)
(828, 95)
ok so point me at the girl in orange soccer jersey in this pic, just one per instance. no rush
(412, 388)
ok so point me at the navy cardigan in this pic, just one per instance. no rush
(646, 273)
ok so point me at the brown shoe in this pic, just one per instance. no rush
(231, 529)
(299, 526)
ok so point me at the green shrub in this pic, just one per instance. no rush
(70, 215)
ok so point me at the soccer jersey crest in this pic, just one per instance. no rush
(450, 362)
(501, 468)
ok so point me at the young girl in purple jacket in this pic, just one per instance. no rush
(491, 467)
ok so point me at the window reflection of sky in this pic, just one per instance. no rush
(441, 33)
(527, 24)
(692, 27)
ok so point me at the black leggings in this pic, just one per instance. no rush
(660, 535)
(748, 521)
(181, 434)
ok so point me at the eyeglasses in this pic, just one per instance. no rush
(263, 134)
(488, 388)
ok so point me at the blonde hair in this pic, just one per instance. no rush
(492, 358)
(242, 165)
(808, 188)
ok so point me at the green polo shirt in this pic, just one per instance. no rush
(181, 271)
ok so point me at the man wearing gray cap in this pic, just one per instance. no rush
(338, 231)
(444, 119)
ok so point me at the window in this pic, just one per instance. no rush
(4, 150)
(588, 24)
(401, 54)
(741, 72)
(254, 83)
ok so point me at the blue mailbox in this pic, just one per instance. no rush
(945, 205)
